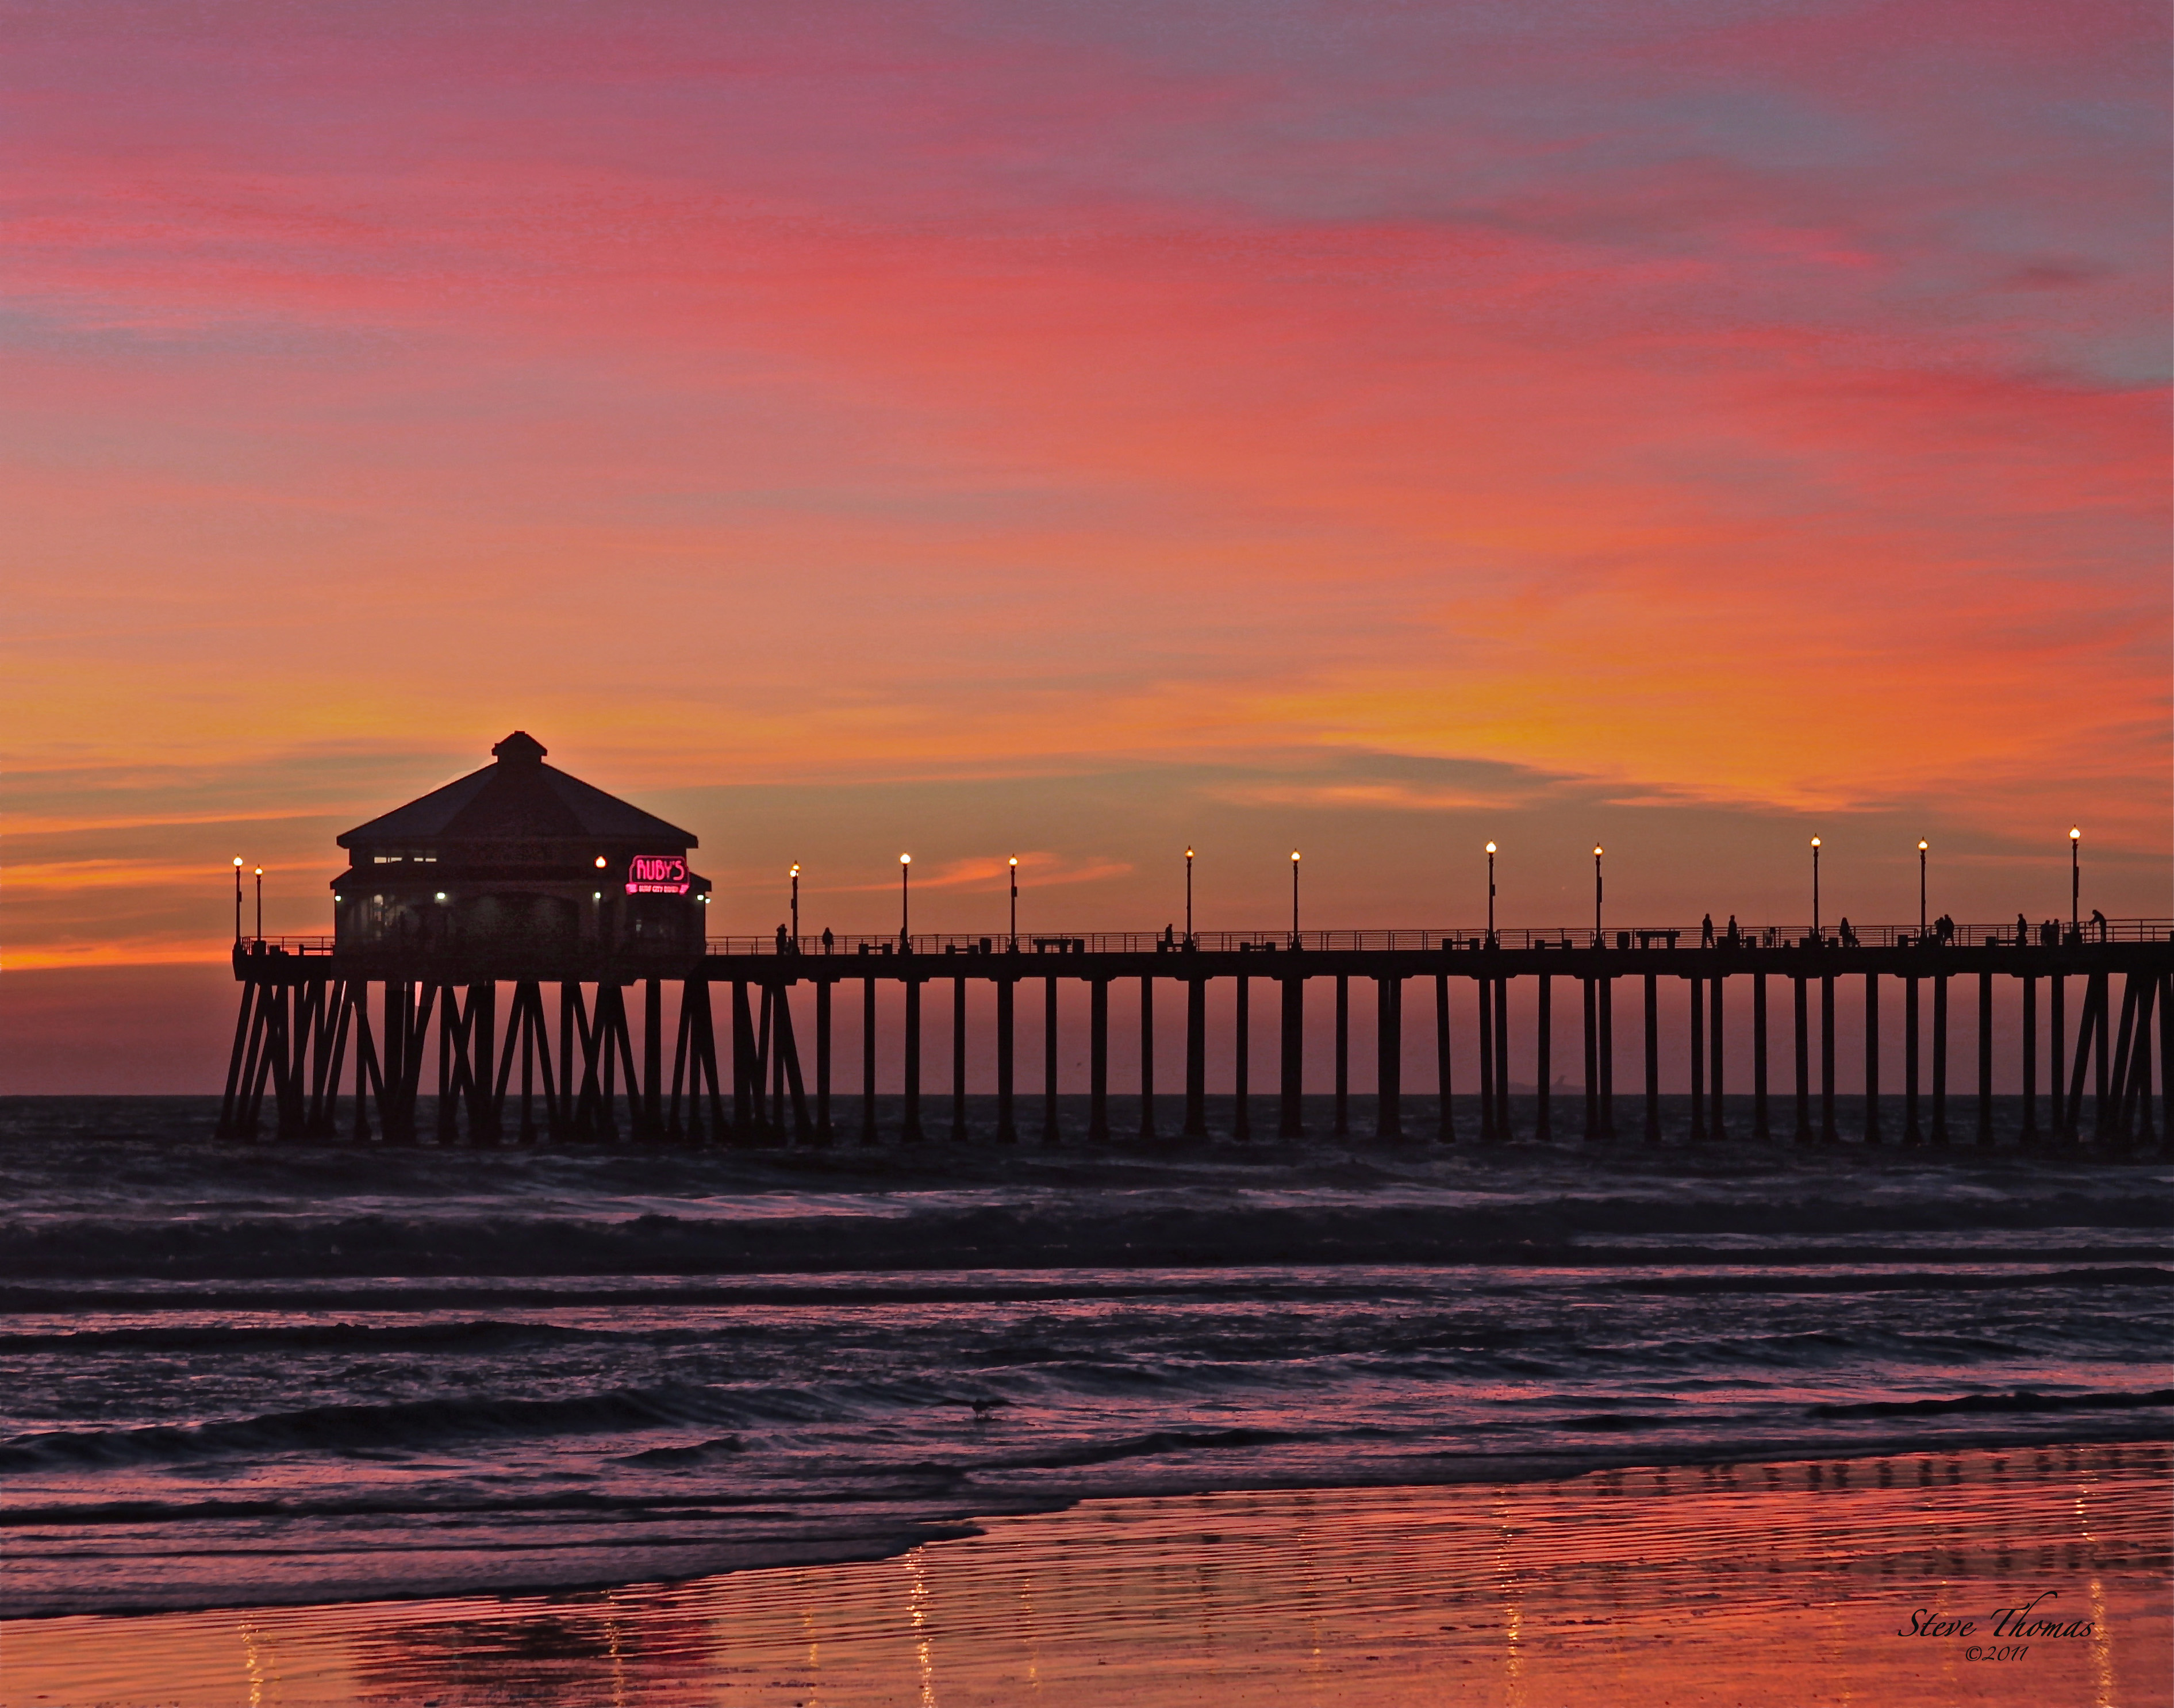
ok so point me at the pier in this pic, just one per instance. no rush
(517, 936)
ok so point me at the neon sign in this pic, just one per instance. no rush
(656, 874)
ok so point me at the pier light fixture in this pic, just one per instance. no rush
(794, 874)
(2075, 879)
(1922, 845)
(1012, 866)
(442, 895)
(1294, 898)
(1189, 894)
(1815, 888)
(260, 901)
(1595, 895)
(600, 862)
(1491, 895)
(904, 903)
(237, 898)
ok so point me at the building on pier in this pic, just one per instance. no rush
(519, 871)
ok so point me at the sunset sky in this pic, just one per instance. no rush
(1073, 430)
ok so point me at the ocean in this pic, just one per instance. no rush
(254, 1374)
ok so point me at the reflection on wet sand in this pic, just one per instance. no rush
(1790, 1582)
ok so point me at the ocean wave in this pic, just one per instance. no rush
(2021, 1401)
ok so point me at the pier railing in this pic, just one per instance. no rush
(2041, 932)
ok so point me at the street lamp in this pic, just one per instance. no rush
(260, 901)
(1595, 895)
(1188, 895)
(1815, 889)
(904, 904)
(1294, 898)
(1491, 895)
(1922, 844)
(795, 875)
(1014, 869)
(2075, 881)
(237, 898)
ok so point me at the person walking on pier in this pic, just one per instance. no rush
(2022, 931)
(1735, 937)
(1848, 936)
(1706, 932)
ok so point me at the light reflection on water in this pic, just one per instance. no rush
(1760, 1582)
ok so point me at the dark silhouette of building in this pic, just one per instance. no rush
(519, 871)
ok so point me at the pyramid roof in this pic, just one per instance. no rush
(518, 799)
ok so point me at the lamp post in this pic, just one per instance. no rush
(1012, 941)
(237, 898)
(1188, 895)
(2075, 881)
(1922, 844)
(1294, 898)
(795, 875)
(1491, 895)
(1597, 939)
(904, 904)
(1816, 890)
(260, 901)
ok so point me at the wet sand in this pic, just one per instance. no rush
(1787, 1583)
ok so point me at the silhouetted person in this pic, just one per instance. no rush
(2022, 931)
(1735, 937)
(1848, 936)
(1946, 928)
(826, 940)
(1706, 932)
(2099, 923)
(780, 939)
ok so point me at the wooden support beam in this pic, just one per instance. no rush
(1147, 1057)
(1800, 1038)
(1484, 990)
(1098, 1061)
(1608, 1056)
(1291, 1056)
(2056, 1077)
(1759, 1129)
(1828, 1133)
(958, 1061)
(1389, 1058)
(1241, 1124)
(1589, 994)
(747, 1066)
(1716, 986)
(1542, 1054)
(1941, 1058)
(868, 1061)
(910, 1123)
(1698, 1059)
(1872, 1058)
(1505, 1130)
(1343, 1126)
(1051, 1134)
(1445, 1121)
(1913, 1137)
(1007, 1060)
(1652, 1059)
(2030, 1136)
(826, 988)
(1196, 1058)
(2112, 1121)
(647, 1119)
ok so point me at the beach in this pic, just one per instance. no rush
(1785, 1583)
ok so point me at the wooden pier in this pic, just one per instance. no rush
(590, 1056)
(514, 934)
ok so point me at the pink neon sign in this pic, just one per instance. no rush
(656, 874)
